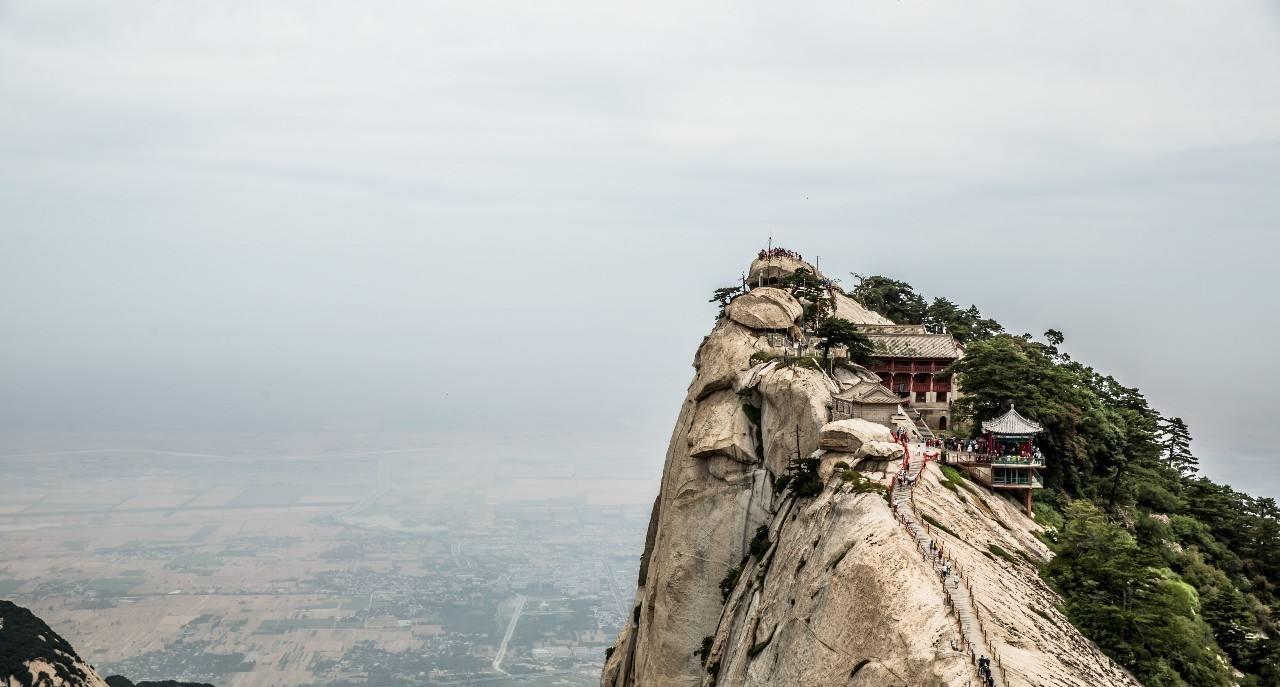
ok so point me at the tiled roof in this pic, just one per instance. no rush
(1011, 423)
(868, 392)
(916, 345)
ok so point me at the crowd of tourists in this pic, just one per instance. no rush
(779, 253)
(1012, 451)
(954, 444)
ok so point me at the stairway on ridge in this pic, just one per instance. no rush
(961, 602)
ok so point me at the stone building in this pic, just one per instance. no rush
(909, 361)
(862, 395)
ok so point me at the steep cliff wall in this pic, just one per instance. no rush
(842, 595)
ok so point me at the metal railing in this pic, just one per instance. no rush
(1017, 460)
(984, 458)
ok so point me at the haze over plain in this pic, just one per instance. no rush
(408, 217)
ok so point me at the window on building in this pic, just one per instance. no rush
(920, 397)
(942, 397)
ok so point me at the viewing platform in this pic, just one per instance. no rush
(1007, 458)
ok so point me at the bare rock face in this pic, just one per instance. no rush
(794, 403)
(721, 428)
(723, 356)
(765, 308)
(714, 495)
(849, 436)
(841, 598)
(848, 309)
(1035, 642)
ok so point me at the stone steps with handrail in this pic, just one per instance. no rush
(959, 593)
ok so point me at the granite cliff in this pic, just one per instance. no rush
(746, 582)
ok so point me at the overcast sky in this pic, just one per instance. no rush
(484, 216)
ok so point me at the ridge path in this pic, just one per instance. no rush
(962, 602)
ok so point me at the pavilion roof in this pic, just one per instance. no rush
(869, 392)
(895, 345)
(1011, 423)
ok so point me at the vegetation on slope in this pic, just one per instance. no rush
(1166, 570)
(897, 301)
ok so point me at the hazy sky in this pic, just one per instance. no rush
(489, 216)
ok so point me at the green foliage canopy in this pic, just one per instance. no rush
(894, 299)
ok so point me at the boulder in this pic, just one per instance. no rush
(880, 450)
(771, 270)
(723, 356)
(721, 427)
(765, 308)
(849, 436)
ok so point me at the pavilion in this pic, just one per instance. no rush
(1015, 462)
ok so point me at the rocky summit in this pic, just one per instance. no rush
(880, 569)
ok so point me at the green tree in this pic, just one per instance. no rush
(1175, 446)
(1143, 617)
(964, 324)
(802, 477)
(894, 299)
(839, 332)
(725, 295)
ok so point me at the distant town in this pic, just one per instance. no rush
(351, 561)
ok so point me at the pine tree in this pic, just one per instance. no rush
(840, 332)
(1175, 445)
(725, 295)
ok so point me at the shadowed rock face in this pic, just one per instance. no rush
(33, 655)
(842, 596)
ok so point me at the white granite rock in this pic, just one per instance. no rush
(765, 308)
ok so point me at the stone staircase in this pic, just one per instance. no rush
(921, 425)
(959, 595)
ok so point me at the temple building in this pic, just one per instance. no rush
(909, 361)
